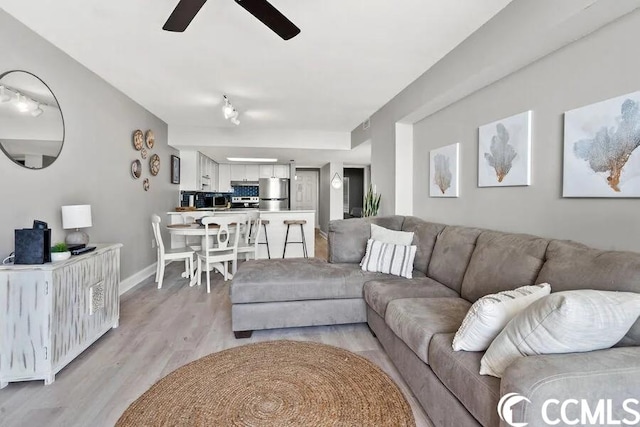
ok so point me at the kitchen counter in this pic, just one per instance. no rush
(276, 229)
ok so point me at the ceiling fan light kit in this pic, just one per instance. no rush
(264, 11)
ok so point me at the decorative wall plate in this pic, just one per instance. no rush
(138, 139)
(136, 169)
(154, 164)
(144, 153)
(145, 184)
(150, 138)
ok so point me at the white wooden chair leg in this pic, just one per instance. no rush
(199, 271)
(208, 278)
(161, 274)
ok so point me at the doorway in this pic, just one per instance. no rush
(353, 192)
(305, 189)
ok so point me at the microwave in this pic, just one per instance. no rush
(214, 201)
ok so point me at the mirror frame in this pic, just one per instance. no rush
(64, 128)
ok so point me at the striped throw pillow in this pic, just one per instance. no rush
(490, 314)
(389, 258)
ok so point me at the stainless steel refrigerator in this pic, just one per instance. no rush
(274, 194)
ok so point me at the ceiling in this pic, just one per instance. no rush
(351, 57)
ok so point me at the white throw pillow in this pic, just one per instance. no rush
(490, 314)
(388, 258)
(384, 235)
(564, 322)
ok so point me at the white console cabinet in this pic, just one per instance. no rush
(50, 313)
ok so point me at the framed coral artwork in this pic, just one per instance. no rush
(601, 154)
(504, 152)
(444, 171)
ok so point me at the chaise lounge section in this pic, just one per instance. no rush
(415, 319)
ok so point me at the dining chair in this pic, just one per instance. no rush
(225, 232)
(248, 246)
(166, 256)
(190, 241)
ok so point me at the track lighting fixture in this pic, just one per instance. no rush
(23, 103)
(229, 112)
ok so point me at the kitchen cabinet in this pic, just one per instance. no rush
(238, 172)
(274, 171)
(224, 177)
(245, 172)
(281, 171)
(252, 172)
(52, 312)
(197, 172)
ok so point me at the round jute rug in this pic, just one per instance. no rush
(277, 383)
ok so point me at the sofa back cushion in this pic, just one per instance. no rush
(348, 237)
(502, 262)
(451, 255)
(571, 266)
(424, 237)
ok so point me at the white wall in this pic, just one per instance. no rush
(94, 165)
(592, 69)
(195, 136)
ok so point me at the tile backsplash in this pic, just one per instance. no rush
(245, 191)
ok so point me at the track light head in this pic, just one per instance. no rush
(21, 103)
(37, 112)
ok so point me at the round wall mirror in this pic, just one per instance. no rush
(31, 123)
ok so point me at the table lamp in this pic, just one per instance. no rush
(76, 217)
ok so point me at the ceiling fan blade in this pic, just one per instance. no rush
(271, 17)
(182, 15)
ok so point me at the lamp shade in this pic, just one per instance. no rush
(76, 216)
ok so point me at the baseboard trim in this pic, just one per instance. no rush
(323, 234)
(131, 281)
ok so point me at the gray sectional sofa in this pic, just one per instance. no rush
(415, 319)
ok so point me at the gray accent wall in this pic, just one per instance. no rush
(602, 65)
(94, 165)
(523, 32)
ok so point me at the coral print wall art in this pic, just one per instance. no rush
(504, 152)
(443, 171)
(601, 154)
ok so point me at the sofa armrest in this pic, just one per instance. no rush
(348, 237)
(591, 378)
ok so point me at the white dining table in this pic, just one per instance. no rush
(198, 230)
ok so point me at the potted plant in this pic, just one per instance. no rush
(60, 252)
(371, 203)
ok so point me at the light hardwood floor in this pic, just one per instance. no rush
(160, 330)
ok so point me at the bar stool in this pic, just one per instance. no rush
(265, 222)
(301, 223)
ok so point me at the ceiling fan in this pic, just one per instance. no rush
(186, 10)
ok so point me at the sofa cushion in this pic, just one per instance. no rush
(572, 266)
(451, 255)
(347, 238)
(424, 237)
(296, 279)
(389, 258)
(488, 316)
(416, 320)
(459, 372)
(394, 237)
(563, 322)
(379, 293)
(501, 262)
